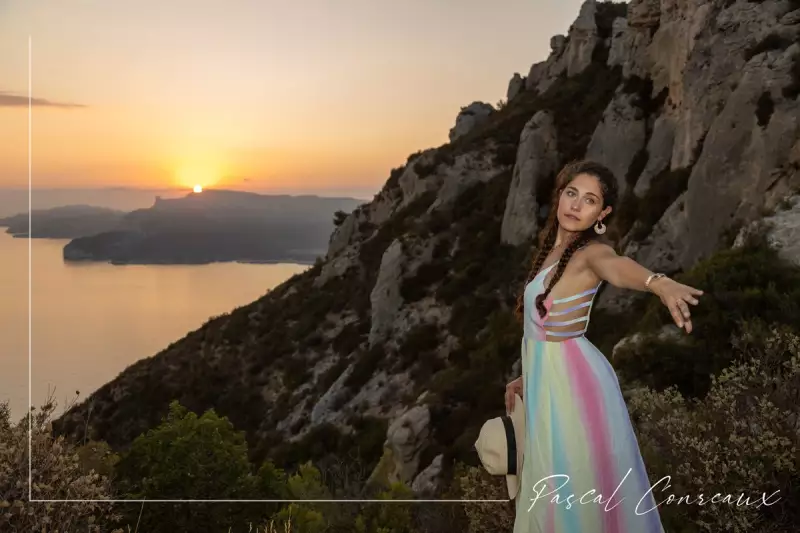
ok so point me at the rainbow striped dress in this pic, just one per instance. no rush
(582, 471)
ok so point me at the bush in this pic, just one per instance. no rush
(191, 457)
(475, 483)
(60, 471)
(741, 287)
(366, 364)
(741, 438)
(421, 338)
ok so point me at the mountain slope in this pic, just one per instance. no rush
(401, 340)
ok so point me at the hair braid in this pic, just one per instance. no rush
(562, 265)
(546, 241)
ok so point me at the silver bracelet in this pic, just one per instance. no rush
(651, 278)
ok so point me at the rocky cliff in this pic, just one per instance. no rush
(398, 344)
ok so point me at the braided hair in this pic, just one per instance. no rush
(547, 237)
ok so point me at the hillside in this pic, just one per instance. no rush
(217, 225)
(400, 340)
(66, 222)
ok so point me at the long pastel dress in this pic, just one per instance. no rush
(579, 436)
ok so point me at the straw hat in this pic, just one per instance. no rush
(500, 445)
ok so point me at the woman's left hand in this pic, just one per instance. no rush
(677, 297)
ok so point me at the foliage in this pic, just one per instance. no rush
(475, 483)
(740, 286)
(741, 438)
(191, 457)
(60, 470)
(387, 518)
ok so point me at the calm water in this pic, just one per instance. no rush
(90, 321)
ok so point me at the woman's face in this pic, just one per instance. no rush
(581, 204)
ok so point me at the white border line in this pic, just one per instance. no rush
(30, 308)
(30, 386)
(269, 501)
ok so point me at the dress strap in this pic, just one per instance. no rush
(576, 296)
(567, 322)
(570, 309)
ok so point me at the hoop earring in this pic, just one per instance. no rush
(599, 227)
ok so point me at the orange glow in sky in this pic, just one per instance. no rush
(256, 94)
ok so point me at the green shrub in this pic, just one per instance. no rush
(192, 457)
(741, 286)
(423, 337)
(741, 438)
(366, 364)
(349, 339)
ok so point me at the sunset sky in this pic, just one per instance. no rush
(260, 95)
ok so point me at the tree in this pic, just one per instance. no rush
(190, 457)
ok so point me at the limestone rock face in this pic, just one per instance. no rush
(385, 297)
(472, 115)
(569, 55)
(782, 230)
(466, 170)
(619, 137)
(515, 86)
(644, 13)
(537, 157)
(741, 149)
(659, 153)
(620, 42)
(428, 481)
(582, 40)
(406, 438)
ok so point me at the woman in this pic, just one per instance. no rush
(582, 471)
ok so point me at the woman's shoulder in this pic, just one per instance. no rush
(597, 245)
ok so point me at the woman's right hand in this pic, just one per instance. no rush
(515, 387)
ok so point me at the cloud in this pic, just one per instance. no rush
(16, 100)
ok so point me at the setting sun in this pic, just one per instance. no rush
(198, 188)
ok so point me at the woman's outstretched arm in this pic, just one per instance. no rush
(625, 273)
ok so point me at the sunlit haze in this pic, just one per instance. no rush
(252, 95)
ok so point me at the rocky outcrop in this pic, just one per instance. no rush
(427, 482)
(619, 136)
(644, 13)
(782, 230)
(515, 86)
(469, 117)
(466, 170)
(742, 148)
(659, 153)
(582, 40)
(620, 42)
(537, 158)
(544, 73)
(406, 438)
(569, 55)
(385, 297)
